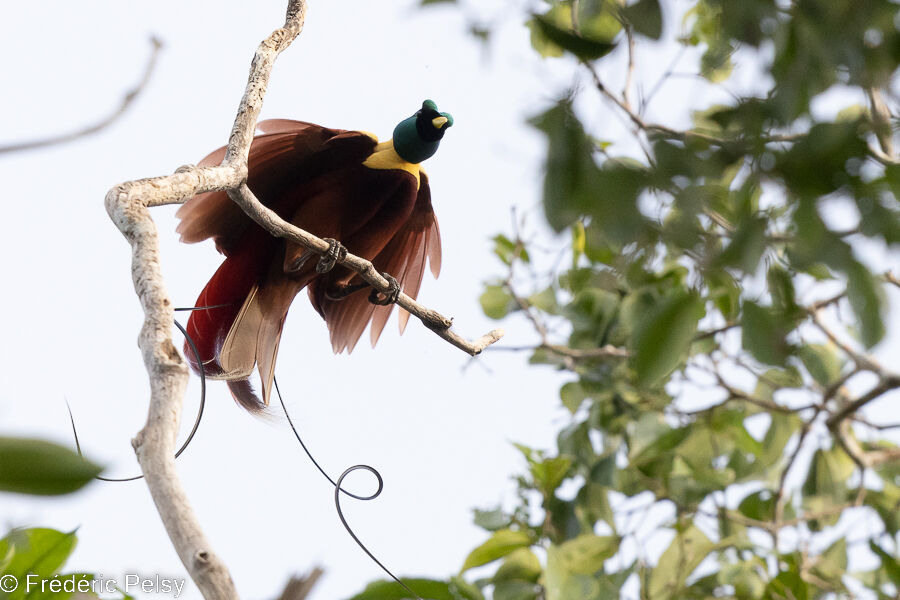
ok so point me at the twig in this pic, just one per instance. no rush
(299, 587)
(885, 384)
(127, 101)
(892, 279)
(629, 73)
(881, 120)
(862, 360)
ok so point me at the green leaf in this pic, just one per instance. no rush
(586, 554)
(492, 520)
(828, 474)
(781, 429)
(562, 584)
(646, 18)
(521, 565)
(570, 180)
(572, 395)
(39, 550)
(891, 564)
(684, 554)
(37, 467)
(822, 361)
(463, 590)
(496, 302)
(549, 473)
(867, 299)
(515, 590)
(582, 47)
(508, 251)
(664, 334)
(747, 246)
(763, 334)
(788, 584)
(391, 590)
(500, 544)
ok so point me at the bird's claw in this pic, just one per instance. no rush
(391, 296)
(334, 253)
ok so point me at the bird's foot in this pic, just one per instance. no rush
(391, 296)
(334, 253)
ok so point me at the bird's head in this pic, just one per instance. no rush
(419, 136)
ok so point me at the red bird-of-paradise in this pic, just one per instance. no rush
(336, 184)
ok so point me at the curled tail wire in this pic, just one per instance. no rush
(190, 436)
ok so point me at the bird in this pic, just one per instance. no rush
(364, 196)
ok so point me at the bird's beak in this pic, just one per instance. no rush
(438, 122)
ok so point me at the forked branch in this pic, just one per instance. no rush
(127, 205)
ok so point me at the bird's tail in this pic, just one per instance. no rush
(217, 307)
(241, 314)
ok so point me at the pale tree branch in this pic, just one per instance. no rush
(127, 205)
(124, 105)
(154, 445)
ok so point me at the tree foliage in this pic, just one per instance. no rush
(716, 315)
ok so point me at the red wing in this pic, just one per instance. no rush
(287, 152)
(403, 257)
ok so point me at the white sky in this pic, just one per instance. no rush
(439, 434)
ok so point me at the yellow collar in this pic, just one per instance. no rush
(385, 157)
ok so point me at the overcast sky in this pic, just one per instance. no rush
(436, 425)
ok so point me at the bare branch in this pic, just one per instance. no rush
(299, 587)
(126, 103)
(127, 206)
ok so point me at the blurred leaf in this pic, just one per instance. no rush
(663, 336)
(507, 250)
(788, 584)
(891, 564)
(678, 561)
(522, 564)
(586, 554)
(43, 468)
(746, 247)
(500, 544)
(515, 590)
(463, 590)
(492, 520)
(817, 163)
(572, 395)
(646, 18)
(391, 590)
(867, 299)
(550, 472)
(822, 361)
(571, 173)
(583, 48)
(828, 474)
(763, 333)
(545, 300)
(496, 302)
(39, 550)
